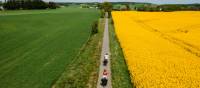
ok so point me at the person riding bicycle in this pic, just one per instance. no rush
(104, 78)
(106, 57)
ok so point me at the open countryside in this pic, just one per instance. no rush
(99, 44)
(36, 47)
(160, 52)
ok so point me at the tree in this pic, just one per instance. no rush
(95, 27)
(26, 4)
(102, 14)
(107, 6)
(1, 6)
(99, 6)
(84, 6)
(12, 5)
(39, 4)
(127, 6)
(1, 3)
(52, 5)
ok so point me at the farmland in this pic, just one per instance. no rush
(86, 63)
(37, 46)
(161, 48)
(120, 78)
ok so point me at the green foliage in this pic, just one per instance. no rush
(12, 5)
(107, 6)
(147, 7)
(116, 7)
(52, 5)
(102, 14)
(28, 4)
(63, 4)
(121, 7)
(112, 22)
(36, 47)
(166, 7)
(109, 15)
(180, 7)
(127, 6)
(1, 3)
(94, 27)
(84, 6)
(99, 5)
(83, 72)
(25, 4)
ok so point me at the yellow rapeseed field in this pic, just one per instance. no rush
(161, 48)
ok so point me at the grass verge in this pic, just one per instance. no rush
(120, 73)
(83, 71)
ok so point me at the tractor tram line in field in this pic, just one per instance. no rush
(157, 54)
(186, 46)
(35, 49)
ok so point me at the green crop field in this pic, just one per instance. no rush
(36, 46)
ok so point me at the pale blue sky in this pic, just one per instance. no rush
(152, 1)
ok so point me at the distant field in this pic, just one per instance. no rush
(161, 48)
(36, 46)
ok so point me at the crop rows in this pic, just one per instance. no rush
(153, 61)
(36, 48)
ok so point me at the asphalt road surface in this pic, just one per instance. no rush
(105, 49)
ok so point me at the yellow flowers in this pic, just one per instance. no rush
(160, 48)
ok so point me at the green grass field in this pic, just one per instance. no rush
(35, 48)
(83, 72)
(120, 73)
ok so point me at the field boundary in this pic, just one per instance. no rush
(82, 50)
(75, 57)
(112, 29)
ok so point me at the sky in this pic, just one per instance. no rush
(151, 1)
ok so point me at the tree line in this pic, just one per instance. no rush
(105, 7)
(169, 7)
(28, 4)
(154, 7)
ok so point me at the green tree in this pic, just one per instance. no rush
(52, 5)
(127, 6)
(12, 5)
(102, 14)
(0, 3)
(95, 27)
(107, 6)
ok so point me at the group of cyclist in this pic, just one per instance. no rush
(104, 79)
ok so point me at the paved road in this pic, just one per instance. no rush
(105, 49)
